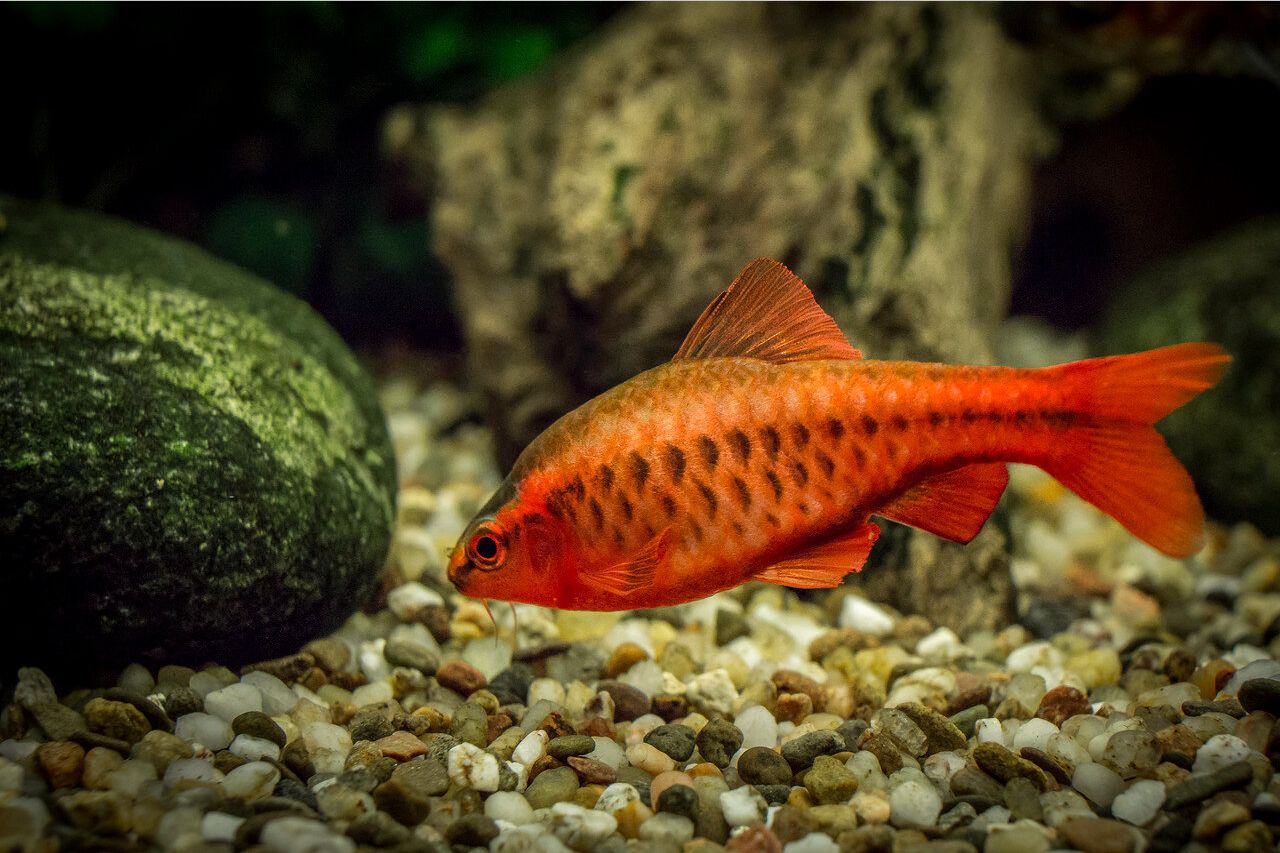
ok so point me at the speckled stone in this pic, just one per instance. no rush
(718, 741)
(760, 765)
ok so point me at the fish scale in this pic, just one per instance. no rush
(764, 447)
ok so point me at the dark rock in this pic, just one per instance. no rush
(670, 707)
(1225, 290)
(1003, 765)
(970, 782)
(791, 824)
(717, 742)
(1046, 617)
(675, 740)
(1230, 707)
(730, 625)
(1201, 786)
(181, 701)
(511, 686)
(943, 735)
(460, 677)
(288, 668)
(851, 731)
(679, 799)
(377, 829)
(628, 702)
(154, 713)
(202, 381)
(473, 830)
(296, 758)
(774, 795)
(1047, 763)
(368, 725)
(760, 765)
(799, 753)
(406, 796)
(966, 720)
(258, 724)
(1260, 694)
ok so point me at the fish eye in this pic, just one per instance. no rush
(487, 549)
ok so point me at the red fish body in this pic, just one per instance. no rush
(761, 450)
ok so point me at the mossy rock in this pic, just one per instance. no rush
(193, 466)
(1226, 290)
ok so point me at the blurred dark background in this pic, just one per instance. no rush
(253, 130)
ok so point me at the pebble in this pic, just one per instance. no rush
(471, 767)
(61, 763)
(649, 758)
(508, 806)
(717, 742)
(1100, 784)
(251, 781)
(119, 720)
(758, 727)
(801, 752)
(556, 785)
(233, 700)
(1201, 786)
(829, 781)
(566, 745)
(914, 803)
(666, 828)
(408, 793)
(676, 741)
(1220, 751)
(1097, 835)
(762, 766)
(742, 806)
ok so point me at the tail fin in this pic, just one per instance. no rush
(1116, 460)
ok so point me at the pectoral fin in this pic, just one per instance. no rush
(953, 505)
(824, 565)
(638, 570)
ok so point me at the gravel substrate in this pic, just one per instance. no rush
(1134, 709)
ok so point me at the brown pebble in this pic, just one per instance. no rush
(754, 839)
(348, 680)
(313, 679)
(793, 707)
(1180, 665)
(460, 677)
(980, 695)
(401, 746)
(435, 719)
(628, 702)
(1097, 835)
(555, 725)
(497, 724)
(841, 638)
(288, 668)
(790, 681)
(1047, 763)
(623, 658)
(1177, 739)
(1003, 765)
(671, 707)
(884, 749)
(1062, 703)
(592, 772)
(60, 762)
(330, 653)
(597, 727)
(546, 762)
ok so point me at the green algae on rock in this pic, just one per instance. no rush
(193, 464)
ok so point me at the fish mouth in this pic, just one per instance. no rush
(459, 570)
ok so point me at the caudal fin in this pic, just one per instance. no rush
(1116, 460)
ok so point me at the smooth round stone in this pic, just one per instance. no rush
(259, 725)
(150, 381)
(220, 827)
(557, 785)
(1100, 784)
(318, 736)
(340, 802)
(1140, 803)
(858, 613)
(667, 828)
(253, 748)
(580, 828)
(567, 745)
(508, 806)
(532, 747)
(914, 803)
(127, 779)
(189, 770)
(814, 842)
(616, 796)
(277, 698)
(204, 729)
(607, 751)
(233, 700)
(742, 806)
(303, 835)
(251, 781)
(665, 780)
(1020, 837)
(762, 766)
(650, 759)
(374, 693)
(1034, 733)
(1218, 752)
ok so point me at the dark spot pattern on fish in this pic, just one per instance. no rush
(800, 435)
(709, 450)
(772, 441)
(625, 505)
(859, 457)
(605, 477)
(870, 425)
(740, 444)
(675, 463)
(772, 519)
(936, 418)
(826, 464)
(744, 494)
(669, 506)
(835, 428)
(775, 483)
(799, 473)
(639, 470)
(712, 502)
(597, 513)
(969, 416)
(900, 423)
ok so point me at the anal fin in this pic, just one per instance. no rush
(953, 505)
(824, 565)
(636, 573)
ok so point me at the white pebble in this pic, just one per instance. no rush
(1265, 668)
(277, 698)
(472, 767)
(865, 767)
(303, 835)
(758, 727)
(318, 736)
(1024, 658)
(742, 806)
(531, 747)
(253, 748)
(580, 828)
(1218, 752)
(374, 693)
(1100, 784)
(508, 806)
(251, 781)
(180, 828)
(712, 691)
(616, 796)
(914, 803)
(127, 779)
(490, 655)
(1066, 750)
(204, 729)
(1139, 804)
(407, 600)
(547, 689)
(608, 752)
(1034, 733)
(189, 770)
(219, 826)
(665, 827)
(857, 612)
(233, 700)
(814, 842)
(988, 730)
(942, 644)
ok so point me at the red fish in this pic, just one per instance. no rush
(761, 450)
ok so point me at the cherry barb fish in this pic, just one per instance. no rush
(762, 448)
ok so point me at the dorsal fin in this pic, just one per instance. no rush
(954, 504)
(766, 313)
(824, 565)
